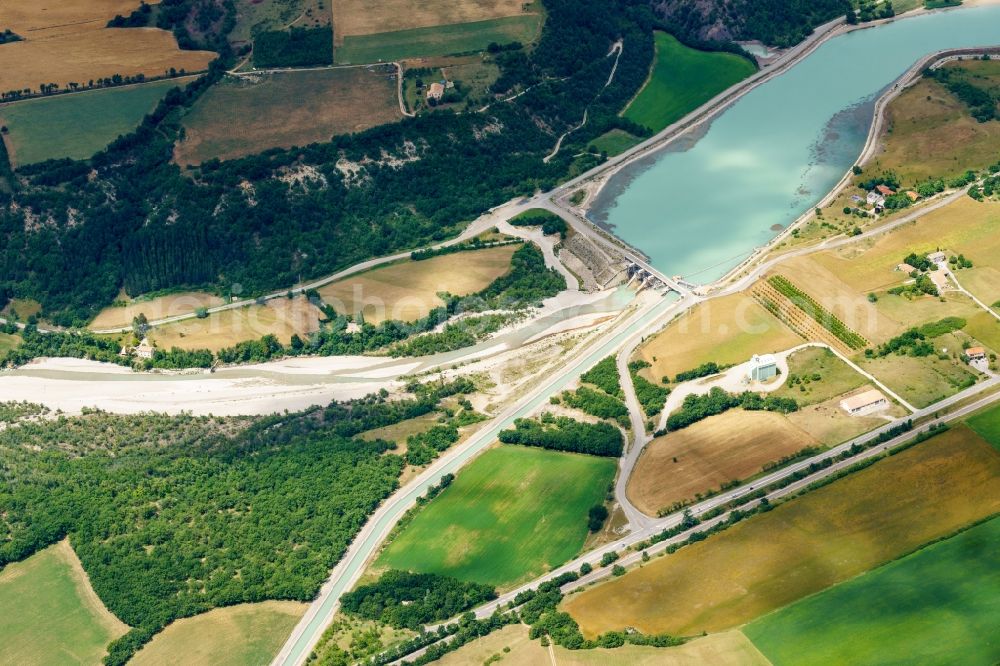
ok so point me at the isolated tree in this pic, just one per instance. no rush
(140, 325)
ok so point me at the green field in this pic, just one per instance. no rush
(987, 425)
(937, 606)
(50, 615)
(437, 41)
(614, 142)
(682, 80)
(77, 125)
(511, 515)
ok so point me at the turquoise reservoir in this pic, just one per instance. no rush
(699, 210)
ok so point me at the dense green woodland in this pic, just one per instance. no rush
(298, 47)
(173, 516)
(73, 234)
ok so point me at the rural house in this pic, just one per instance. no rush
(864, 403)
(975, 353)
(885, 191)
(144, 349)
(875, 199)
(436, 91)
(977, 359)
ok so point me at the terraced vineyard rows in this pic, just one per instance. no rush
(821, 315)
(794, 317)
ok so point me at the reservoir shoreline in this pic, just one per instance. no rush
(812, 176)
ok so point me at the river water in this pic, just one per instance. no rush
(699, 210)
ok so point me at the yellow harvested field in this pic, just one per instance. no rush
(409, 290)
(68, 41)
(983, 282)
(841, 280)
(92, 54)
(45, 18)
(805, 545)
(279, 317)
(731, 648)
(725, 330)
(701, 457)
(909, 313)
(848, 305)
(359, 17)
(157, 308)
(243, 635)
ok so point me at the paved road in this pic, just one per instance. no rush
(647, 320)
(674, 519)
(351, 566)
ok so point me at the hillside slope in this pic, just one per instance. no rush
(776, 22)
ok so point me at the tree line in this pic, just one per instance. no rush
(562, 433)
(699, 407)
